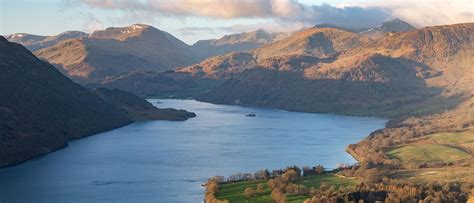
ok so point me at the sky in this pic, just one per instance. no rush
(192, 20)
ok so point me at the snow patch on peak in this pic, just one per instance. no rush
(137, 26)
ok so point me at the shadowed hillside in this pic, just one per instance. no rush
(40, 109)
(35, 42)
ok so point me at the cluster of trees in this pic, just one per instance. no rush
(212, 188)
(282, 185)
(394, 193)
(266, 174)
(307, 171)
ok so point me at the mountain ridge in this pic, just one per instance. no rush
(239, 42)
(112, 51)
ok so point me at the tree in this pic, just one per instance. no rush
(260, 188)
(249, 192)
(278, 196)
(290, 176)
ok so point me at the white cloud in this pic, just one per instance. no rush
(282, 15)
(282, 10)
(426, 12)
(359, 14)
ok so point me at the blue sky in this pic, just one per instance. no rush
(191, 20)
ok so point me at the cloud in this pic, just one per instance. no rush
(426, 12)
(368, 13)
(281, 15)
(349, 16)
(192, 31)
(210, 8)
(282, 11)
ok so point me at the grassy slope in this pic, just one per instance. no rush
(464, 140)
(234, 191)
(427, 153)
(426, 175)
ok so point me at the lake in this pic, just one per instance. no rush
(165, 161)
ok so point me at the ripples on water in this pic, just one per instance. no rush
(164, 161)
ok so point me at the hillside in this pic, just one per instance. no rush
(446, 50)
(113, 51)
(418, 133)
(370, 88)
(317, 42)
(395, 25)
(40, 109)
(235, 43)
(36, 42)
(314, 45)
(405, 73)
(222, 66)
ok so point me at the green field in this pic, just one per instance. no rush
(427, 153)
(234, 192)
(461, 138)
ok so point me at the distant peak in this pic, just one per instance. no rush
(73, 32)
(326, 25)
(396, 21)
(139, 26)
(394, 25)
(16, 35)
(122, 33)
(260, 31)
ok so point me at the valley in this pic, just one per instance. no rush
(387, 109)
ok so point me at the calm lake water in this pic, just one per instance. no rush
(163, 161)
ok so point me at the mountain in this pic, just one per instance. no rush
(331, 70)
(395, 25)
(113, 51)
(40, 109)
(447, 50)
(235, 43)
(314, 45)
(370, 85)
(222, 66)
(317, 42)
(36, 42)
